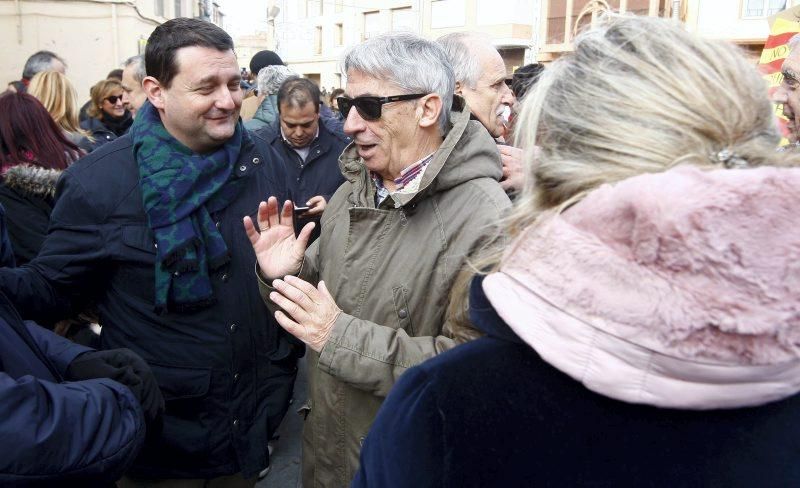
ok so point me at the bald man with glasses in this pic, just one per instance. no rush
(370, 297)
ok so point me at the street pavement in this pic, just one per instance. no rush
(285, 460)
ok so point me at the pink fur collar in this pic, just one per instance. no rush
(698, 267)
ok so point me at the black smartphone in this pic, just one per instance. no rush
(301, 210)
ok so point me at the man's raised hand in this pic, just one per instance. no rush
(278, 252)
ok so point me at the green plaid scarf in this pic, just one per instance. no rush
(180, 190)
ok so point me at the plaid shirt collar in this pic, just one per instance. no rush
(407, 182)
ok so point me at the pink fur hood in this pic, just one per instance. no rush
(679, 289)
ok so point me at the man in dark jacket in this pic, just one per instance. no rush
(149, 226)
(310, 147)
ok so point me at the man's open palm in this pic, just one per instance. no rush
(278, 252)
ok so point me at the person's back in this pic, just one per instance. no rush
(494, 413)
(36, 151)
(641, 318)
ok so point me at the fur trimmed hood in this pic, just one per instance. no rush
(32, 181)
(679, 289)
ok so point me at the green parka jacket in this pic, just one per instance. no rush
(390, 269)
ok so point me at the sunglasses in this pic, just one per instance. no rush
(369, 108)
(113, 99)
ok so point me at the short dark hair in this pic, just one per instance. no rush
(115, 74)
(524, 78)
(39, 61)
(296, 92)
(172, 35)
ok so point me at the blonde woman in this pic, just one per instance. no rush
(108, 116)
(643, 321)
(59, 97)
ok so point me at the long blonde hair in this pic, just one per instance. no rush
(59, 97)
(638, 95)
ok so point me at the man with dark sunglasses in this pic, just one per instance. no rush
(370, 297)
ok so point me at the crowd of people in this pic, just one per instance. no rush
(583, 274)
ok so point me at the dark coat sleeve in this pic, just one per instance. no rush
(405, 446)
(60, 351)
(88, 431)
(6, 252)
(73, 251)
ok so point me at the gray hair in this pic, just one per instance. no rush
(138, 67)
(459, 48)
(39, 61)
(413, 64)
(270, 78)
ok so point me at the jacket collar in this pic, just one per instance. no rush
(483, 315)
(32, 181)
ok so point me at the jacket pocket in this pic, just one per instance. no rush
(139, 237)
(179, 383)
(185, 421)
(401, 310)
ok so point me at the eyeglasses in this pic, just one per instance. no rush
(370, 107)
(113, 99)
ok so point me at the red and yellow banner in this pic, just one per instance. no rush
(783, 27)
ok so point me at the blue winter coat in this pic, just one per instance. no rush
(319, 174)
(493, 413)
(226, 371)
(53, 432)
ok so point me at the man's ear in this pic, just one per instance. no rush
(429, 109)
(459, 87)
(154, 92)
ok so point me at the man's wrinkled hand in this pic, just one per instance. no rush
(513, 174)
(308, 312)
(278, 251)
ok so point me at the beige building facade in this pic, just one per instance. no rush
(312, 35)
(92, 36)
(743, 22)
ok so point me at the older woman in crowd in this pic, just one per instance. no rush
(642, 322)
(108, 116)
(59, 97)
(269, 80)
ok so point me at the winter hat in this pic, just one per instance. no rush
(263, 59)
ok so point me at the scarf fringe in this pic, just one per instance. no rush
(179, 253)
(216, 263)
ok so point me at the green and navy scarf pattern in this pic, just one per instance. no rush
(181, 190)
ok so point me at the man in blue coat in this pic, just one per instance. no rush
(56, 431)
(310, 146)
(149, 227)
